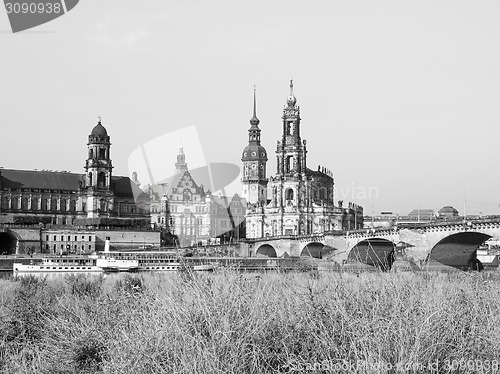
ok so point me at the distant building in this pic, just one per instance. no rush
(59, 197)
(447, 212)
(193, 215)
(422, 215)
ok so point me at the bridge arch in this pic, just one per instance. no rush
(458, 250)
(316, 250)
(266, 250)
(377, 252)
(8, 242)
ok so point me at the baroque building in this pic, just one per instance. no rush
(60, 197)
(300, 201)
(195, 216)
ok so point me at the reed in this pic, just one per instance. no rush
(250, 323)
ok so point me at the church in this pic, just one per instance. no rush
(295, 200)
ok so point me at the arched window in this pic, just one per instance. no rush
(289, 164)
(102, 205)
(101, 180)
(90, 179)
(45, 204)
(63, 205)
(322, 193)
(53, 205)
(34, 203)
(289, 194)
(14, 203)
(5, 202)
(91, 153)
(72, 206)
(24, 203)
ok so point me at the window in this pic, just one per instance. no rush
(24, 203)
(34, 203)
(72, 206)
(55, 237)
(63, 205)
(5, 202)
(14, 203)
(46, 238)
(101, 180)
(90, 238)
(102, 153)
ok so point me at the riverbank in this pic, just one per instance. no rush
(248, 323)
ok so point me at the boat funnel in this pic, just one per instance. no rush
(106, 245)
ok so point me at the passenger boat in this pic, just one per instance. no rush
(58, 265)
(112, 263)
(149, 261)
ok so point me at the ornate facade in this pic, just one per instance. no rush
(300, 200)
(194, 215)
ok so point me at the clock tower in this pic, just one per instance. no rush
(254, 160)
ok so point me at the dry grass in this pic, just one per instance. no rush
(247, 323)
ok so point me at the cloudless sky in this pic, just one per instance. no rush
(397, 97)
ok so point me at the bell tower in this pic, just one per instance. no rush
(254, 160)
(98, 167)
(291, 151)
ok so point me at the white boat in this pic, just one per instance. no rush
(58, 265)
(157, 261)
(204, 267)
(110, 263)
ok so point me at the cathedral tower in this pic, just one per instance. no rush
(98, 173)
(254, 160)
(291, 151)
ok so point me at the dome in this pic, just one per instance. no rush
(99, 130)
(448, 209)
(253, 153)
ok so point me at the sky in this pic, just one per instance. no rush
(399, 99)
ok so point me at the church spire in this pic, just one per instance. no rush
(254, 121)
(292, 100)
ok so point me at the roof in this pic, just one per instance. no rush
(61, 181)
(422, 212)
(448, 209)
(316, 173)
(40, 179)
(125, 187)
(99, 130)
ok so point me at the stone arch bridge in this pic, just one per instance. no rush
(452, 244)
